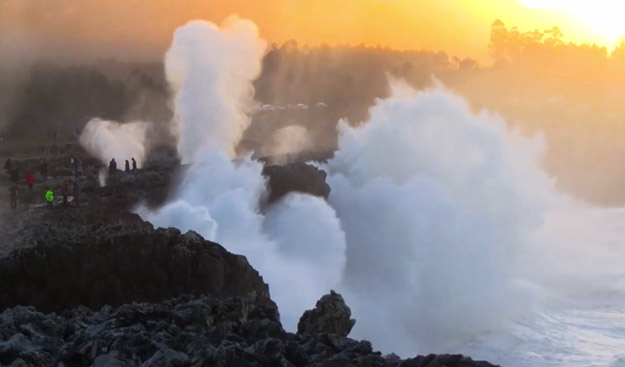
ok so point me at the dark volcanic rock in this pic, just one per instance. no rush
(295, 177)
(78, 257)
(150, 185)
(330, 316)
(187, 331)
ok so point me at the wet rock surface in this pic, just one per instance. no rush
(295, 177)
(330, 316)
(187, 331)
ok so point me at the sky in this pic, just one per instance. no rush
(143, 28)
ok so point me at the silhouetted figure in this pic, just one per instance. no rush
(127, 166)
(113, 166)
(15, 174)
(134, 164)
(77, 168)
(30, 180)
(49, 198)
(13, 192)
(8, 165)
(64, 192)
(44, 170)
(76, 192)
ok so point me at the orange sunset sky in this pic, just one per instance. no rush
(459, 27)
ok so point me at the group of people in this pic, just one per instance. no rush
(113, 165)
(68, 187)
(13, 173)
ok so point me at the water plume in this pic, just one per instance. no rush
(110, 139)
(211, 70)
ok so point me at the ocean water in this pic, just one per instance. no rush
(581, 336)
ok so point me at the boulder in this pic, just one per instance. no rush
(330, 316)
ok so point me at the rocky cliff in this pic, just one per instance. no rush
(97, 262)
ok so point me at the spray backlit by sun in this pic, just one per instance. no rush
(602, 16)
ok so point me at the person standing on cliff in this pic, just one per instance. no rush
(127, 166)
(112, 166)
(134, 164)
(7, 165)
(43, 168)
(15, 174)
(30, 180)
(50, 198)
(13, 192)
(76, 192)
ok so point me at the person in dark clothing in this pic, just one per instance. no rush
(77, 168)
(134, 164)
(76, 192)
(113, 166)
(127, 167)
(7, 165)
(44, 170)
(15, 174)
(30, 180)
(13, 191)
(64, 192)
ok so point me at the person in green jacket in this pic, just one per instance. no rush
(50, 198)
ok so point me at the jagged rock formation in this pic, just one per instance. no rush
(188, 331)
(330, 316)
(79, 257)
(296, 177)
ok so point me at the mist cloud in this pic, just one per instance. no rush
(110, 139)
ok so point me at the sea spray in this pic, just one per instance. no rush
(111, 139)
(211, 70)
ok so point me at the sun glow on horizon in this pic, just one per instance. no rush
(603, 16)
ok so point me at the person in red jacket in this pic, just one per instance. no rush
(30, 180)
